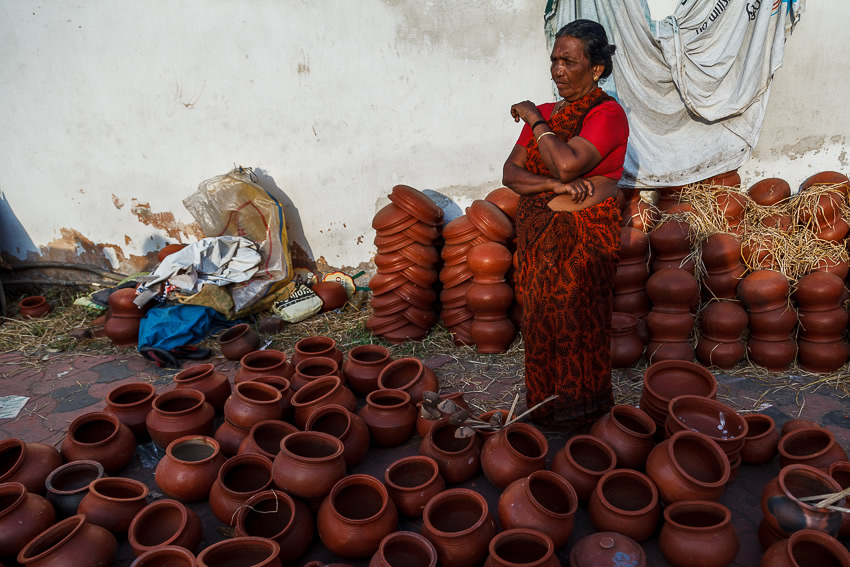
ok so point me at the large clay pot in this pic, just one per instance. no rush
(252, 402)
(721, 251)
(99, 436)
(346, 426)
(410, 375)
(263, 363)
(459, 525)
(238, 480)
(688, 466)
(522, 546)
(514, 452)
(762, 440)
(764, 290)
(241, 551)
(113, 502)
(698, 528)
(775, 355)
(27, 463)
(583, 461)
(818, 291)
(816, 447)
(313, 368)
(265, 437)
(390, 417)
(491, 221)
(459, 459)
(189, 468)
(332, 294)
(204, 378)
(72, 542)
(626, 345)
(166, 556)
(34, 306)
(629, 432)
(670, 242)
(179, 413)
(311, 347)
(722, 323)
(822, 356)
(276, 515)
(412, 482)
(672, 290)
(607, 548)
(309, 464)
(804, 548)
(404, 548)
(363, 366)
(68, 484)
(543, 501)
(723, 284)
(625, 501)
(22, 517)
(238, 341)
(131, 403)
(357, 514)
(319, 393)
(164, 522)
(122, 326)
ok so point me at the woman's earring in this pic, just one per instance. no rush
(595, 78)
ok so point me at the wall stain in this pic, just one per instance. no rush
(116, 200)
(165, 221)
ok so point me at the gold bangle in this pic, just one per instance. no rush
(547, 133)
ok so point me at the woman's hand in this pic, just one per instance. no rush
(580, 189)
(526, 111)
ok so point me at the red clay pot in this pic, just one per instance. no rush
(775, 355)
(606, 548)
(22, 517)
(311, 347)
(731, 204)
(491, 221)
(824, 326)
(698, 528)
(122, 327)
(265, 437)
(625, 501)
(34, 306)
(634, 302)
(459, 459)
(282, 385)
(631, 277)
(99, 436)
(238, 480)
(332, 294)
(68, 484)
(723, 284)
(820, 355)
(404, 548)
(626, 345)
(512, 453)
(27, 463)
(240, 551)
(714, 419)
(629, 432)
(412, 482)
(489, 262)
(131, 403)
(346, 426)
(363, 366)
(721, 251)
(459, 525)
(840, 473)
(672, 290)
(203, 377)
(179, 413)
(663, 381)
(410, 375)
(634, 245)
(640, 215)
(764, 290)
(670, 241)
(795, 424)
(263, 363)
(506, 199)
(583, 461)
(818, 291)
(313, 368)
(543, 501)
(309, 464)
(816, 447)
(166, 556)
(73, 542)
(319, 393)
(522, 546)
(229, 438)
(804, 548)
(189, 468)
(390, 416)
(113, 502)
(164, 522)
(417, 204)
(688, 466)
(168, 250)
(492, 337)
(390, 218)
(275, 515)
(762, 440)
(238, 341)
(252, 402)
(770, 191)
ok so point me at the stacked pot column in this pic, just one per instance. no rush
(630, 280)
(489, 297)
(674, 293)
(820, 344)
(722, 325)
(508, 203)
(721, 256)
(773, 319)
(635, 212)
(408, 230)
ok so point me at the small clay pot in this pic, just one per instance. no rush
(665, 380)
(459, 459)
(72, 542)
(770, 191)
(283, 386)
(795, 424)
(410, 375)
(404, 548)
(310, 347)
(318, 393)
(764, 290)
(412, 482)
(688, 466)
(512, 453)
(390, 417)
(275, 515)
(346, 426)
(164, 522)
(179, 413)
(238, 341)
(606, 548)
(166, 556)
(229, 438)
(265, 437)
(263, 363)
(459, 525)
(629, 432)
(22, 517)
(816, 447)
(113, 502)
(506, 199)
(698, 528)
(522, 546)
(252, 402)
(203, 377)
(626, 345)
(715, 419)
(238, 480)
(840, 473)
(68, 484)
(309, 464)
(332, 294)
(762, 440)
(131, 403)
(354, 518)
(313, 368)
(168, 250)
(804, 548)
(543, 501)
(189, 468)
(363, 366)
(34, 306)
(583, 461)
(99, 436)
(240, 551)
(625, 501)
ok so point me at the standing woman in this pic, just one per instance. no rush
(565, 167)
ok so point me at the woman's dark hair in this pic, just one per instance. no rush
(596, 45)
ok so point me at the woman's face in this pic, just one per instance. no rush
(571, 69)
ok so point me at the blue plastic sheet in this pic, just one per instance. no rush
(173, 326)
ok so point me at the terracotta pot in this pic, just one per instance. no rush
(840, 473)
(774, 355)
(229, 438)
(806, 547)
(762, 440)
(166, 556)
(583, 461)
(410, 375)
(731, 205)
(724, 284)
(636, 302)
(238, 480)
(22, 517)
(203, 377)
(421, 297)
(346, 426)
(698, 528)
(68, 484)
(626, 345)
(607, 548)
(263, 363)
(309, 464)
(275, 515)
(179, 413)
(282, 385)
(688, 466)
(241, 551)
(238, 341)
(422, 318)
(770, 191)
(404, 548)
(543, 501)
(131, 403)
(363, 366)
(670, 240)
(459, 459)
(417, 204)
(491, 221)
(629, 432)
(390, 218)
(522, 546)
(506, 199)
(669, 350)
(34, 306)
(667, 327)
(72, 542)
(252, 402)
(332, 294)
(663, 381)
(311, 347)
(672, 290)
(775, 324)
(824, 326)
(122, 327)
(782, 222)
(422, 252)
(822, 356)
(312, 369)
(265, 437)
(721, 251)
(513, 453)
(640, 215)
(390, 417)
(113, 502)
(634, 245)
(164, 522)
(795, 424)
(99, 436)
(625, 501)
(318, 393)
(818, 291)
(489, 299)
(459, 525)
(189, 468)
(489, 262)
(493, 337)
(631, 277)
(814, 446)
(412, 482)
(764, 290)
(832, 266)
(168, 250)
(712, 418)
(723, 321)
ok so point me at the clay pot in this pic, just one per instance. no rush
(238, 341)
(806, 547)
(521, 546)
(840, 473)
(626, 345)
(762, 440)
(670, 242)
(189, 468)
(795, 424)
(179, 413)
(672, 290)
(663, 381)
(72, 542)
(391, 219)
(489, 262)
(818, 291)
(203, 377)
(122, 326)
(770, 191)
(493, 337)
(27, 463)
(410, 375)
(824, 326)
(814, 446)
(634, 302)
(275, 515)
(238, 479)
(166, 556)
(404, 548)
(22, 517)
(363, 366)
(313, 368)
(491, 221)
(714, 419)
(168, 250)
(634, 246)
(309, 464)
(625, 501)
(543, 501)
(263, 363)
(34, 306)
(332, 294)
(506, 199)
(665, 327)
(629, 432)
(822, 356)
(113, 502)
(459, 459)
(240, 551)
(346, 426)
(265, 437)
(764, 290)
(417, 204)
(412, 482)
(252, 402)
(688, 466)
(723, 284)
(164, 522)
(99, 436)
(731, 205)
(459, 525)
(318, 393)
(721, 251)
(69, 483)
(698, 528)
(131, 403)
(357, 514)
(640, 215)
(422, 253)
(832, 266)
(774, 355)
(311, 347)
(606, 548)
(631, 277)
(583, 461)
(513, 453)
(390, 417)
(282, 385)
(229, 438)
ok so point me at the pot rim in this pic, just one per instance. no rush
(593, 441)
(401, 363)
(328, 343)
(152, 508)
(78, 521)
(635, 413)
(7, 488)
(208, 441)
(457, 494)
(356, 351)
(389, 393)
(525, 533)
(712, 447)
(263, 387)
(262, 496)
(714, 404)
(275, 423)
(315, 435)
(90, 417)
(193, 373)
(798, 433)
(154, 552)
(60, 470)
(129, 388)
(636, 475)
(653, 369)
(814, 536)
(674, 507)
(435, 468)
(272, 545)
(313, 385)
(317, 361)
(6, 445)
(33, 301)
(528, 431)
(196, 395)
(246, 361)
(359, 479)
(759, 417)
(560, 481)
(421, 542)
(271, 380)
(233, 333)
(811, 472)
(325, 410)
(444, 422)
(119, 480)
(237, 460)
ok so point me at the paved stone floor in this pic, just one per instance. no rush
(65, 386)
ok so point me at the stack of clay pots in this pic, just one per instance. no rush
(408, 230)
(489, 297)
(663, 381)
(635, 212)
(772, 319)
(632, 273)
(669, 196)
(124, 317)
(671, 244)
(722, 325)
(674, 293)
(721, 256)
(820, 343)
(827, 222)
(508, 203)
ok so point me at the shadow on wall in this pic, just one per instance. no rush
(299, 247)
(14, 238)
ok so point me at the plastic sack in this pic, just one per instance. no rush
(301, 304)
